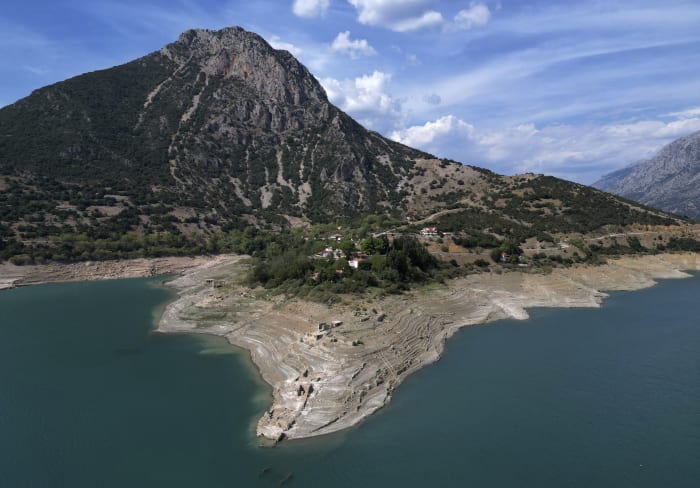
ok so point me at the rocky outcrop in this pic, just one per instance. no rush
(670, 180)
(235, 53)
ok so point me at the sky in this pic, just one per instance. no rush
(574, 89)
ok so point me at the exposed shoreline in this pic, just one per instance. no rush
(12, 276)
(325, 381)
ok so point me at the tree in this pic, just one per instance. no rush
(374, 245)
(511, 249)
(348, 247)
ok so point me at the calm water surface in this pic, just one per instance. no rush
(90, 397)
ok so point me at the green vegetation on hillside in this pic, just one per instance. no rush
(289, 266)
(540, 207)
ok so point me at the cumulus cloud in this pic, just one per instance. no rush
(573, 152)
(365, 98)
(398, 15)
(447, 129)
(353, 48)
(476, 15)
(278, 43)
(411, 15)
(310, 8)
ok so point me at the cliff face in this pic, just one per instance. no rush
(670, 180)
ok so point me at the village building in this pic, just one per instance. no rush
(357, 258)
(328, 253)
(429, 232)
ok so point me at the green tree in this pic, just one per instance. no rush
(511, 248)
(347, 246)
(374, 245)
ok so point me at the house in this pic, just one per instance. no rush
(429, 232)
(357, 258)
(328, 252)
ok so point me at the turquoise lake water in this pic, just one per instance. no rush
(90, 397)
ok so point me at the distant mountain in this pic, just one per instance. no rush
(219, 131)
(670, 180)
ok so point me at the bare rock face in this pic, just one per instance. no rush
(260, 86)
(234, 53)
(670, 180)
(257, 118)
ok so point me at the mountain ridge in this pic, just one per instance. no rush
(670, 180)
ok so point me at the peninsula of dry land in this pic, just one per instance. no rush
(332, 366)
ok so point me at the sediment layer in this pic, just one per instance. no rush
(12, 276)
(332, 366)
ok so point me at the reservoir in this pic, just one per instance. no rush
(609, 397)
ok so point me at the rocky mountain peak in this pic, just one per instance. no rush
(670, 180)
(245, 56)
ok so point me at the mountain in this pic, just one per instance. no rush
(218, 131)
(217, 121)
(670, 180)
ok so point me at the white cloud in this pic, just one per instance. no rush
(572, 152)
(446, 129)
(686, 114)
(377, 12)
(310, 8)
(353, 48)
(398, 15)
(410, 15)
(655, 130)
(431, 18)
(278, 43)
(476, 15)
(365, 98)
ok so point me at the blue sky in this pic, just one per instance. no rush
(575, 89)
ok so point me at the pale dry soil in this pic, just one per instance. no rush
(12, 276)
(327, 380)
